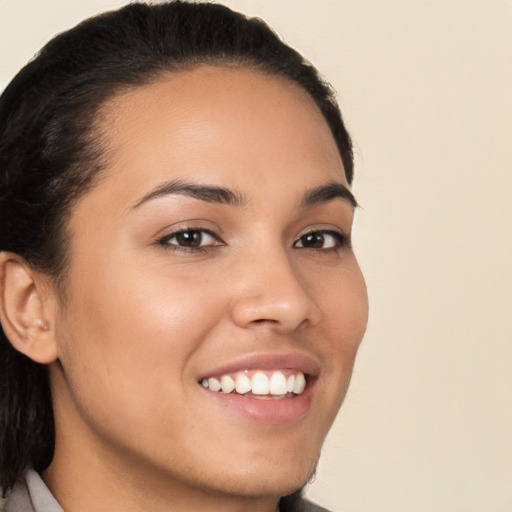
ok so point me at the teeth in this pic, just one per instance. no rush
(261, 383)
(227, 383)
(290, 383)
(214, 384)
(243, 384)
(278, 384)
(300, 383)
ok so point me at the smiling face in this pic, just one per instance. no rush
(215, 251)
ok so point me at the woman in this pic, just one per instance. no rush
(180, 300)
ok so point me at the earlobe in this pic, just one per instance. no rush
(24, 310)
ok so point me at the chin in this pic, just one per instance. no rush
(267, 477)
(262, 487)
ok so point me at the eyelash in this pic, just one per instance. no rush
(164, 241)
(340, 240)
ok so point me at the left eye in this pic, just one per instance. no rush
(320, 240)
(191, 238)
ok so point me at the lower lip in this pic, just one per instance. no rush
(265, 411)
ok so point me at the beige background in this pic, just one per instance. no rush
(425, 86)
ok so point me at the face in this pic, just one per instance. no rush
(215, 251)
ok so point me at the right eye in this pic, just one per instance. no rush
(190, 239)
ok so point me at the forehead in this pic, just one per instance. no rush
(226, 126)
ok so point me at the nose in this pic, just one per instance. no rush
(272, 293)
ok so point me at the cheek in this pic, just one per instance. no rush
(345, 307)
(131, 307)
(130, 335)
(345, 315)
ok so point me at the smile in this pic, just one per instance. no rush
(259, 384)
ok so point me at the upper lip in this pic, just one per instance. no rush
(269, 361)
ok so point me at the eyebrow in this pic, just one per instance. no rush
(208, 193)
(326, 193)
(221, 195)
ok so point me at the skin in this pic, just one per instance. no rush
(144, 319)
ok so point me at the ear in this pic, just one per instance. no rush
(26, 311)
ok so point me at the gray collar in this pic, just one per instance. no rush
(30, 494)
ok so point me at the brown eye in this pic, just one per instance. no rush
(190, 239)
(321, 240)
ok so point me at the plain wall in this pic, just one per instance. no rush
(425, 89)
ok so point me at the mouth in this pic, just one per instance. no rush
(259, 384)
(264, 388)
